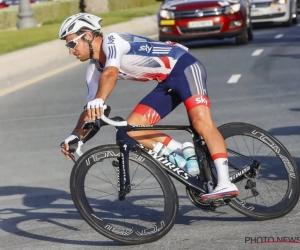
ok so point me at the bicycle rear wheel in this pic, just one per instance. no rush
(148, 212)
(273, 191)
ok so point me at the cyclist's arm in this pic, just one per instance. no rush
(74, 140)
(107, 82)
(114, 48)
(78, 129)
(92, 76)
(77, 137)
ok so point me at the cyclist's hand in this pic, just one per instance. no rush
(69, 145)
(95, 109)
(66, 152)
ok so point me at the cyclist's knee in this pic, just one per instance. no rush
(203, 127)
(202, 121)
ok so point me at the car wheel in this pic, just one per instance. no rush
(250, 32)
(289, 22)
(242, 38)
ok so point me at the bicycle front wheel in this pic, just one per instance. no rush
(272, 190)
(146, 214)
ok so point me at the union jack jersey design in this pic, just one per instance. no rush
(137, 58)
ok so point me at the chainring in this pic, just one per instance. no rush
(194, 198)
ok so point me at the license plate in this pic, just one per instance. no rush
(256, 12)
(200, 24)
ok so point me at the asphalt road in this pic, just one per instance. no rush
(257, 83)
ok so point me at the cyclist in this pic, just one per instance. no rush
(180, 76)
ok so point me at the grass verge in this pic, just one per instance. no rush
(12, 40)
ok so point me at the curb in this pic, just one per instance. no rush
(19, 62)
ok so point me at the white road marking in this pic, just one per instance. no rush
(278, 36)
(257, 52)
(234, 79)
(38, 79)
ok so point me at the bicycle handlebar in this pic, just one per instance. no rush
(107, 121)
(113, 122)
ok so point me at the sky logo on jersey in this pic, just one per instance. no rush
(196, 100)
(111, 40)
(202, 100)
(145, 48)
(161, 50)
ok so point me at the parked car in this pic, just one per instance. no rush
(283, 11)
(3, 4)
(7, 3)
(184, 20)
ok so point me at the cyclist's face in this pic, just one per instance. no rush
(77, 46)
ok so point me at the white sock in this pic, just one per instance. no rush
(221, 164)
(175, 146)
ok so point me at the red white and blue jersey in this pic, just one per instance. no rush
(137, 58)
(181, 77)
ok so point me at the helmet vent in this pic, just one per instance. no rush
(84, 20)
(71, 27)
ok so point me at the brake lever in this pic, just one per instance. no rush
(98, 123)
(92, 124)
(77, 151)
(74, 149)
(72, 157)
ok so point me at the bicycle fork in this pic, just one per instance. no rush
(123, 174)
(126, 144)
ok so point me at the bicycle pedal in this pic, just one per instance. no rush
(215, 204)
(220, 202)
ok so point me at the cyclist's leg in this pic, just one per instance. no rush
(151, 109)
(192, 90)
(204, 125)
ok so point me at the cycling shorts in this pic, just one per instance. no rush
(186, 83)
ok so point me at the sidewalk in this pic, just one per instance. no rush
(16, 63)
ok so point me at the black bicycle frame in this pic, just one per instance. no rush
(127, 144)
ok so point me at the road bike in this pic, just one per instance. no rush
(124, 190)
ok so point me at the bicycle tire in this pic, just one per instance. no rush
(96, 168)
(275, 196)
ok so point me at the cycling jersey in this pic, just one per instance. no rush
(142, 59)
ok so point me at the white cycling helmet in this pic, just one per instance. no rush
(75, 22)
